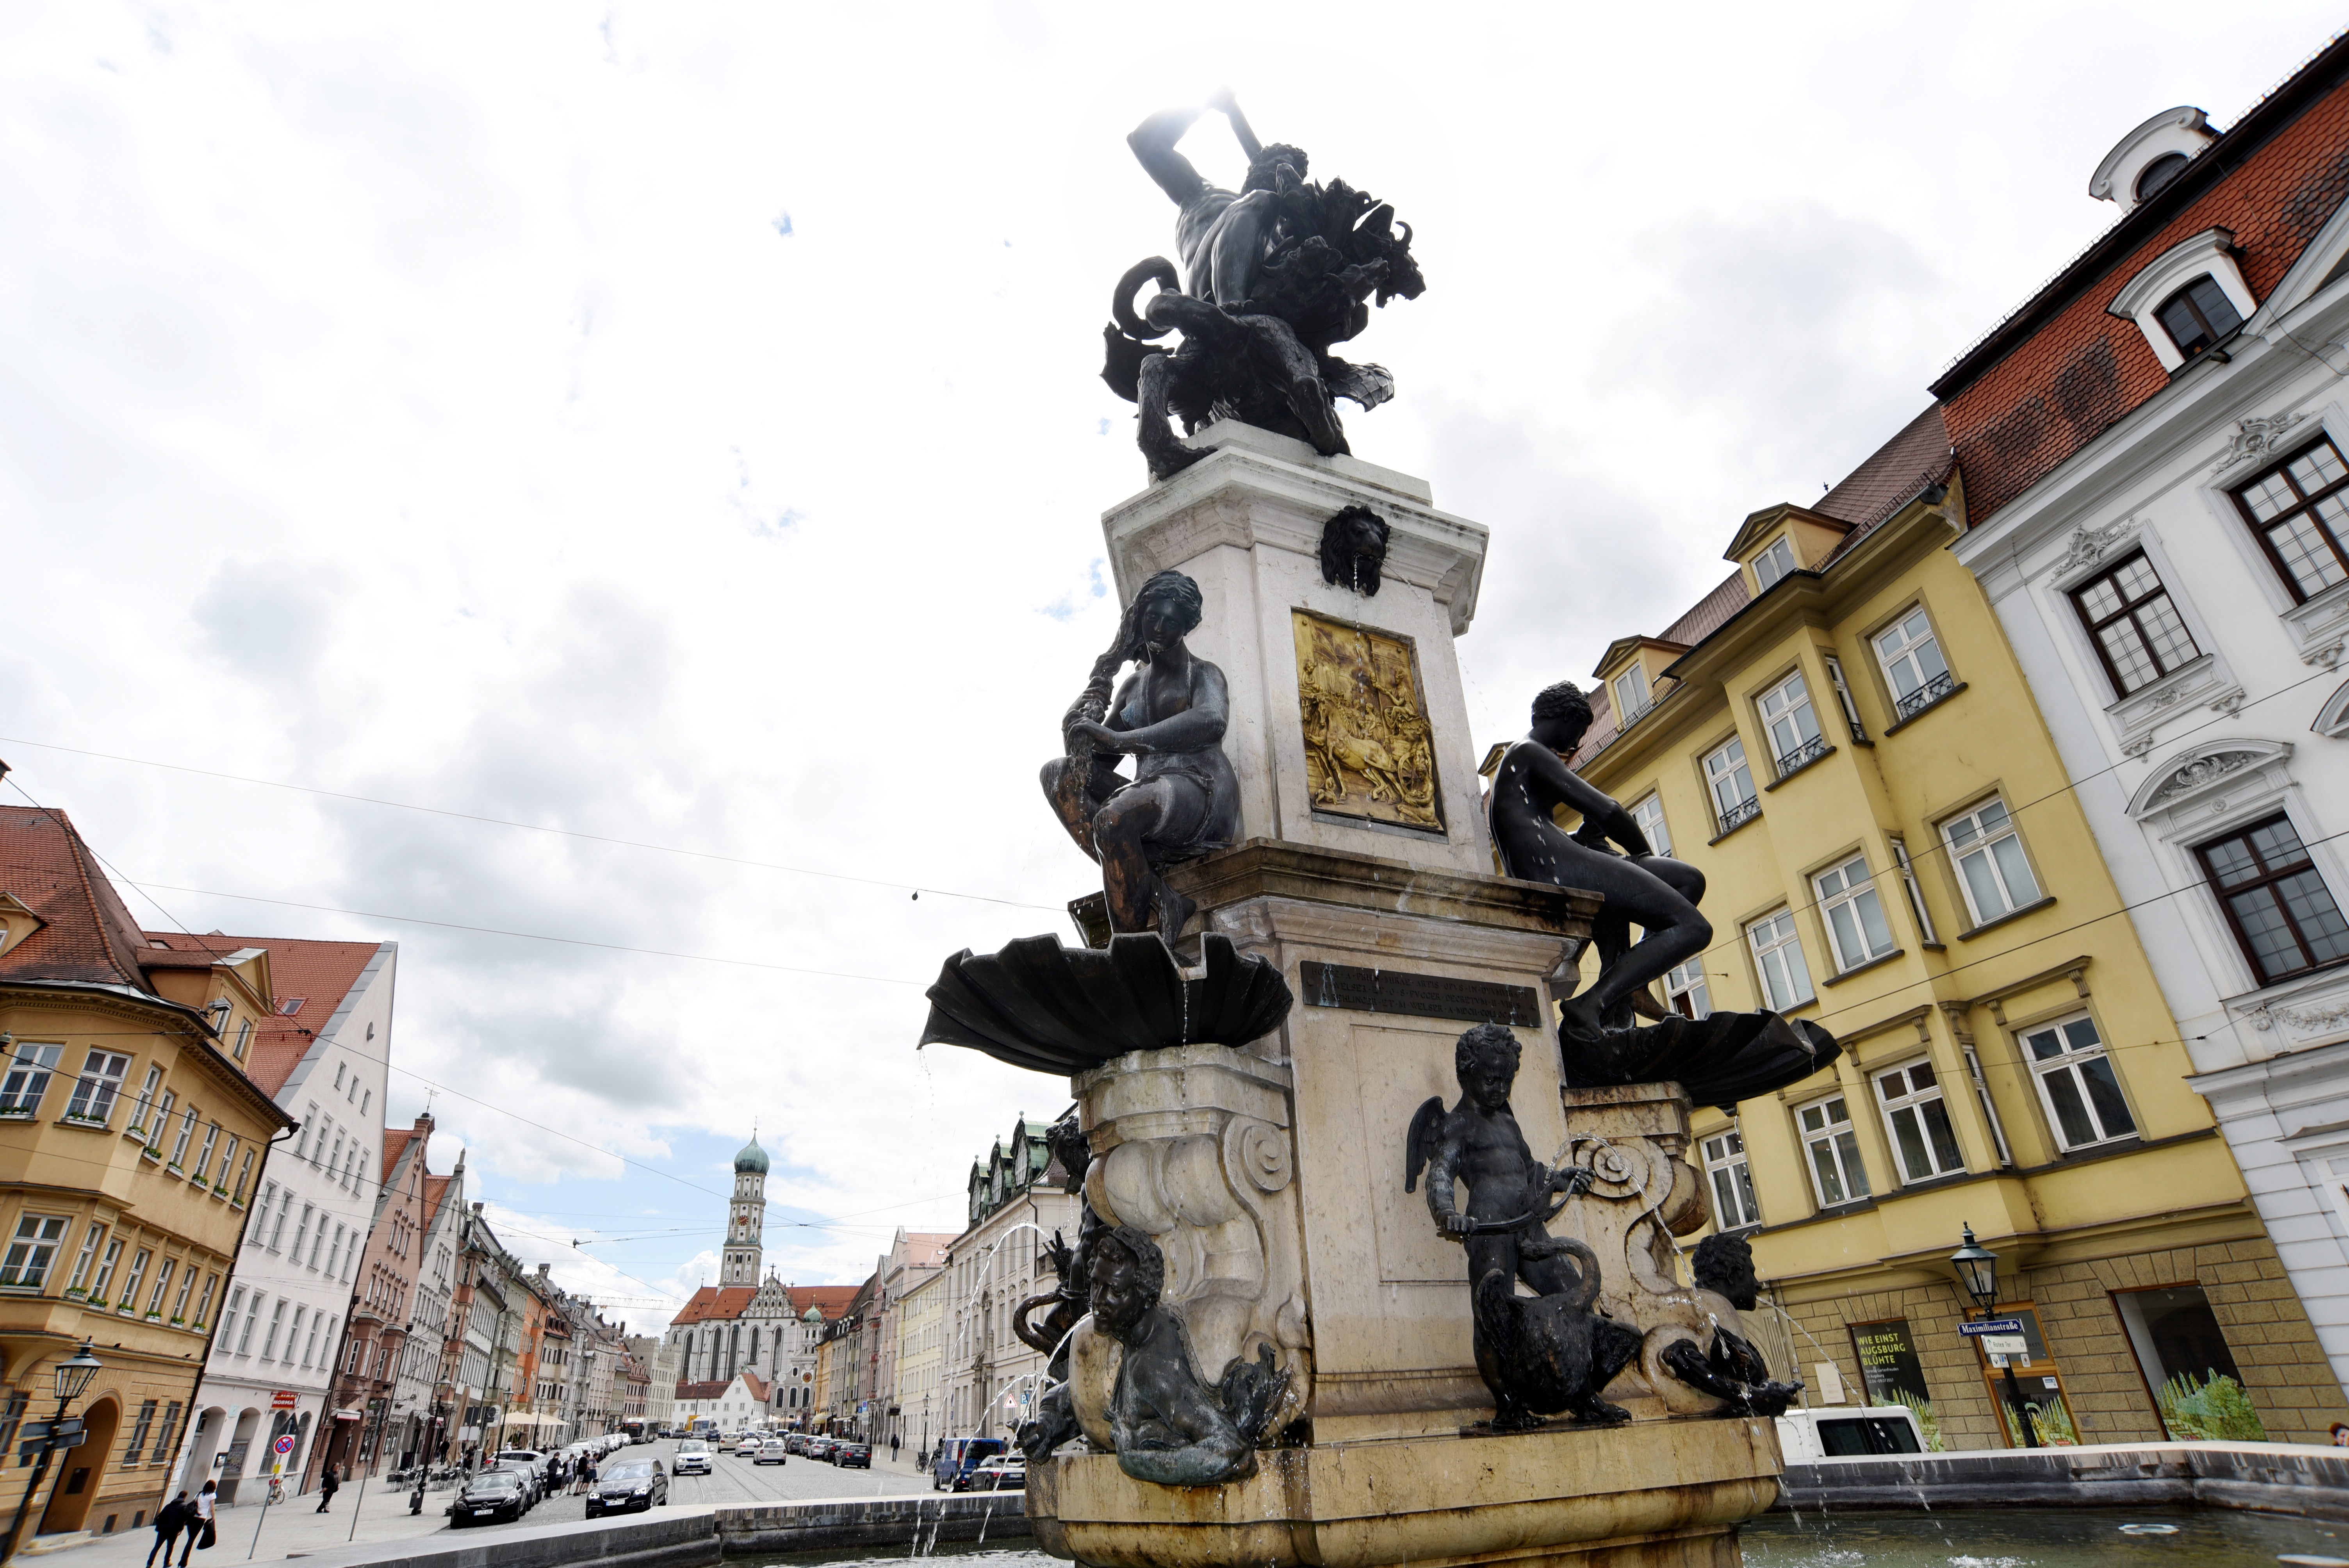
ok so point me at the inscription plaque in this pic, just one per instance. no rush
(1419, 996)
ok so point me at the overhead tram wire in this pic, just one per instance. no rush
(531, 827)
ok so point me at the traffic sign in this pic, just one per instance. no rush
(1992, 1326)
(285, 1444)
(282, 1400)
(2005, 1344)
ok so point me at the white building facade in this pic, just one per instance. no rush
(2176, 588)
(327, 1047)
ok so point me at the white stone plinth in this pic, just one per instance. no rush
(1245, 524)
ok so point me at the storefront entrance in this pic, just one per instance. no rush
(2039, 1383)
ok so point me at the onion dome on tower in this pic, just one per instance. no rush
(746, 1217)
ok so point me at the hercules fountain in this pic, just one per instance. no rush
(1327, 1306)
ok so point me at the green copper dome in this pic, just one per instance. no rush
(753, 1157)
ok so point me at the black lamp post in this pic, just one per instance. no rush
(1976, 1268)
(73, 1374)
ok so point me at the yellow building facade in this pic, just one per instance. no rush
(921, 1361)
(1839, 739)
(131, 1141)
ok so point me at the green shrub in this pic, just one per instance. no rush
(1928, 1422)
(2214, 1410)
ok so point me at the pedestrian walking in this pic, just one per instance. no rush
(586, 1472)
(326, 1485)
(170, 1520)
(200, 1531)
(893, 1440)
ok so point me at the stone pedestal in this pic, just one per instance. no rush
(1272, 1176)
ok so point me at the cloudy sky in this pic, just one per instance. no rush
(678, 426)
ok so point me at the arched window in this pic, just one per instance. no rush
(2158, 174)
(2198, 315)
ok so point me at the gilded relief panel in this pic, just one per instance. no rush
(1369, 750)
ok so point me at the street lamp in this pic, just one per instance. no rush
(73, 1375)
(1976, 1268)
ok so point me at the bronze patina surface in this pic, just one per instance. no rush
(1368, 743)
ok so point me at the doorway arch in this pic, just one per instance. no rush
(201, 1446)
(234, 1462)
(81, 1471)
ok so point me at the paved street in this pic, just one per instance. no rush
(298, 1529)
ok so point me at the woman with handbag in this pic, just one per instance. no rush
(202, 1533)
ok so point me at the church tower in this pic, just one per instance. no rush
(746, 1217)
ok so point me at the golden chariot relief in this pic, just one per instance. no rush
(1370, 751)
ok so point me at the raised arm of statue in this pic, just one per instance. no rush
(1221, 99)
(1154, 144)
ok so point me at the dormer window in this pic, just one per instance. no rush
(1630, 690)
(2159, 173)
(2198, 315)
(1774, 562)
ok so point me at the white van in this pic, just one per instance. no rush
(1807, 1437)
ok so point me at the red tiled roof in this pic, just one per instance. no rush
(1890, 478)
(90, 935)
(319, 973)
(436, 1191)
(714, 1302)
(1705, 617)
(701, 1390)
(926, 1249)
(2061, 371)
(830, 1300)
(761, 1388)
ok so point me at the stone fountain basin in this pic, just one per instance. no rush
(1041, 1004)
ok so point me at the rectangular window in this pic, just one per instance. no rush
(180, 1144)
(335, 1252)
(1774, 562)
(127, 1302)
(2187, 1364)
(298, 1314)
(317, 1242)
(162, 1283)
(338, 1074)
(29, 1070)
(1778, 958)
(1732, 783)
(12, 1416)
(2137, 631)
(180, 1303)
(2299, 515)
(1837, 1174)
(1794, 729)
(1989, 861)
(302, 1233)
(1910, 655)
(32, 1251)
(162, 1116)
(204, 1302)
(228, 1319)
(1909, 883)
(1857, 928)
(95, 1234)
(1725, 1169)
(310, 1346)
(99, 1286)
(1924, 1144)
(276, 1326)
(1631, 696)
(1650, 814)
(243, 1179)
(284, 1208)
(1685, 989)
(302, 1140)
(139, 1426)
(2278, 904)
(228, 1163)
(204, 1154)
(100, 1081)
(1843, 697)
(337, 1158)
(259, 1236)
(146, 1101)
(2076, 1080)
(164, 1434)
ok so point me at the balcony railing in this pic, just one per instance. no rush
(1803, 756)
(1744, 811)
(1925, 697)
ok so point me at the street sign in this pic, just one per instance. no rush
(1992, 1326)
(74, 1441)
(285, 1444)
(2005, 1344)
(282, 1400)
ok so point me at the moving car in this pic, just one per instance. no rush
(1004, 1473)
(797, 1443)
(493, 1494)
(958, 1457)
(628, 1485)
(853, 1456)
(774, 1451)
(747, 1446)
(692, 1457)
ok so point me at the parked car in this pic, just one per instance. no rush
(774, 1451)
(493, 1494)
(1807, 1437)
(692, 1457)
(1004, 1473)
(796, 1443)
(820, 1447)
(853, 1456)
(530, 1459)
(534, 1485)
(958, 1457)
(628, 1485)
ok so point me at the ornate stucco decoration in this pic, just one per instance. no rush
(2202, 770)
(2306, 1019)
(2090, 545)
(2255, 437)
